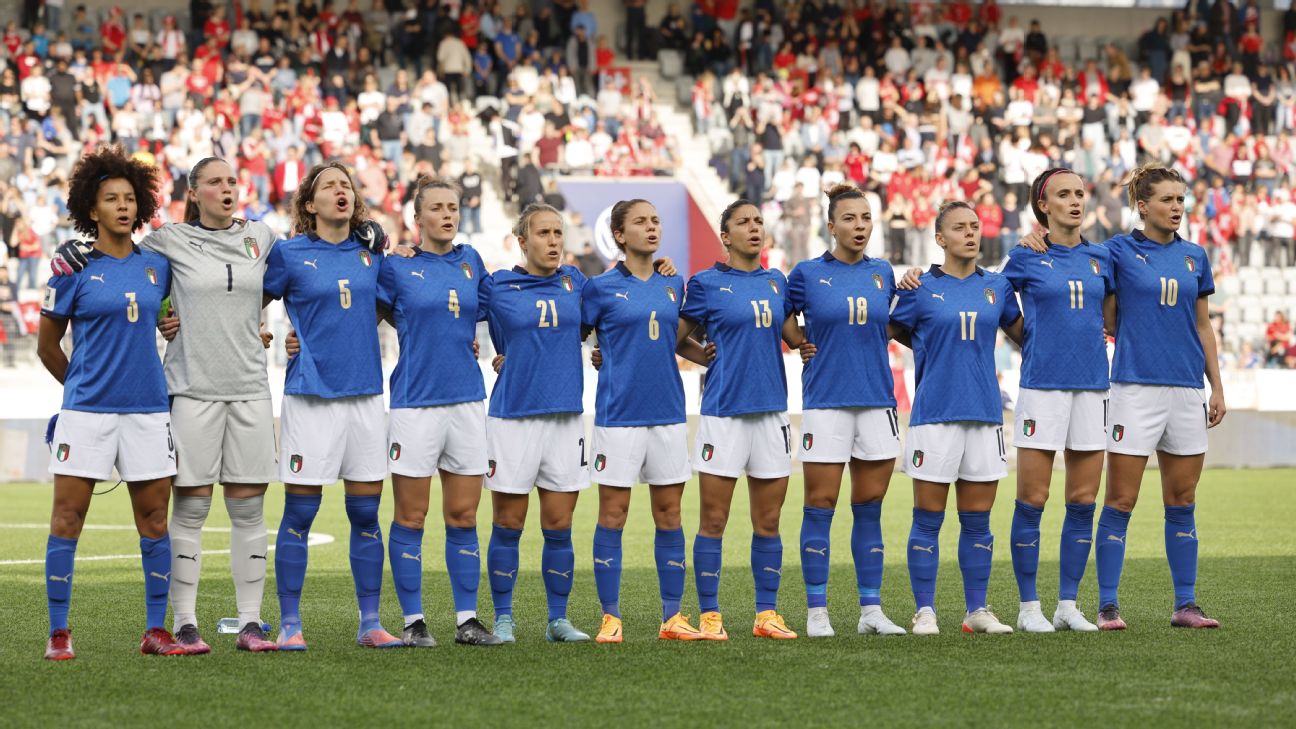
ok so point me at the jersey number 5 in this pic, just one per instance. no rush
(344, 293)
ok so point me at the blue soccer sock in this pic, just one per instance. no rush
(767, 570)
(366, 553)
(463, 563)
(60, 558)
(707, 561)
(291, 555)
(1025, 537)
(1181, 552)
(502, 564)
(1077, 538)
(557, 563)
(816, 531)
(976, 550)
(867, 551)
(607, 568)
(155, 554)
(1109, 553)
(668, 550)
(924, 555)
(405, 545)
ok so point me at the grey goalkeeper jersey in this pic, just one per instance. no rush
(216, 291)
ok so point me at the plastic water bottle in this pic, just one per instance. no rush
(231, 626)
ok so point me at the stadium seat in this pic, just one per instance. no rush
(1275, 284)
(1252, 286)
(1252, 314)
(1228, 286)
(670, 63)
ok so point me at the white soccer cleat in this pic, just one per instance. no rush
(817, 625)
(874, 622)
(924, 622)
(1068, 617)
(1030, 618)
(982, 620)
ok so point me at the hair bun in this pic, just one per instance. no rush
(841, 189)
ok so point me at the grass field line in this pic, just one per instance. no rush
(315, 539)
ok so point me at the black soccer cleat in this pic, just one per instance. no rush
(472, 632)
(417, 635)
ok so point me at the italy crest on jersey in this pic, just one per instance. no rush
(366, 259)
(251, 248)
(295, 463)
(877, 281)
(807, 441)
(774, 286)
(491, 473)
(64, 450)
(567, 284)
(151, 274)
(989, 296)
(394, 453)
(1188, 261)
(467, 270)
(918, 459)
(708, 450)
(1093, 266)
(51, 295)
(1118, 432)
(670, 293)
(1028, 428)
(600, 462)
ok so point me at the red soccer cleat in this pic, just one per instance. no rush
(59, 646)
(252, 638)
(159, 642)
(191, 641)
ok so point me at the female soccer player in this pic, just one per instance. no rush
(849, 416)
(744, 310)
(1164, 344)
(534, 429)
(955, 430)
(438, 418)
(114, 392)
(332, 415)
(640, 432)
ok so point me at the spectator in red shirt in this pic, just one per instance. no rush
(1028, 83)
(959, 13)
(991, 216)
(990, 13)
(218, 28)
(1278, 330)
(113, 32)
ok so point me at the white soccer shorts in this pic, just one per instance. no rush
(90, 444)
(324, 439)
(421, 441)
(1149, 418)
(656, 455)
(548, 451)
(947, 452)
(230, 442)
(759, 444)
(1054, 420)
(839, 434)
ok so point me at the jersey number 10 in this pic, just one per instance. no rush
(1169, 291)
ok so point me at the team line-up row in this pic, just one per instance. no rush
(202, 414)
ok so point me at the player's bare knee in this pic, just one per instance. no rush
(555, 521)
(612, 518)
(713, 522)
(820, 500)
(66, 523)
(460, 518)
(1121, 502)
(411, 519)
(666, 518)
(151, 522)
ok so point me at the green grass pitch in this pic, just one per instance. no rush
(1151, 675)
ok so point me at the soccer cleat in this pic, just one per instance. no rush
(1191, 616)
(712, 626)
(472, 632)
(1068, 617)
(253, 639)
(817, 624)
(678, 628)
(1109, 618)
(875, 622)
(924, 622)
(59, 646)
(416, 635)
(378, 638)
(982, 620)
(193, 643)
(610, 631)
(504, 628)
(291, 641)
(1030, 619)
(561, 630)
(769, 624)
(159, 642)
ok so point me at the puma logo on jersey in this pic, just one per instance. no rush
(1141, 257)
(821, 552)
(416, 557)
(826, 281)
(311, 263)
(294, 532)
(474, 553)
(1034, 544)
(727, 289)
(515, 287)
(565, 575)
(605, 562)
(190, 557)
(98, 277)
(418, 274)
(623, 295)
(1114, 538)
(370, 535)
(164, 578)
(1046, 262)
(1186, 535)
(65, 578)
(673, 563)
(939, 296)
(501, 573)
(986, 547)
(920, 548)
(776, 571)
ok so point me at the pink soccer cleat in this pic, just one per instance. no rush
(1109, 618)
(378, 638)
(1191, 616)
(291, 641)
(251, 638)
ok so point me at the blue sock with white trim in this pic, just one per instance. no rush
(607, 568)
(1073, 554)
(924, 555)
(1025, 537)
(867, 551)
(1181, 552)
(816, 531)
(668, 549)
(1109, 553)
(60, 560)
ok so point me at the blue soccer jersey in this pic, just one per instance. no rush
(637, 323)
(330, 293)
(433, 299)
(113, 306)
(535, 322)
(1062, 292)
(1157, 287)
(742, 312)
(953, 323)
(846, 307)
